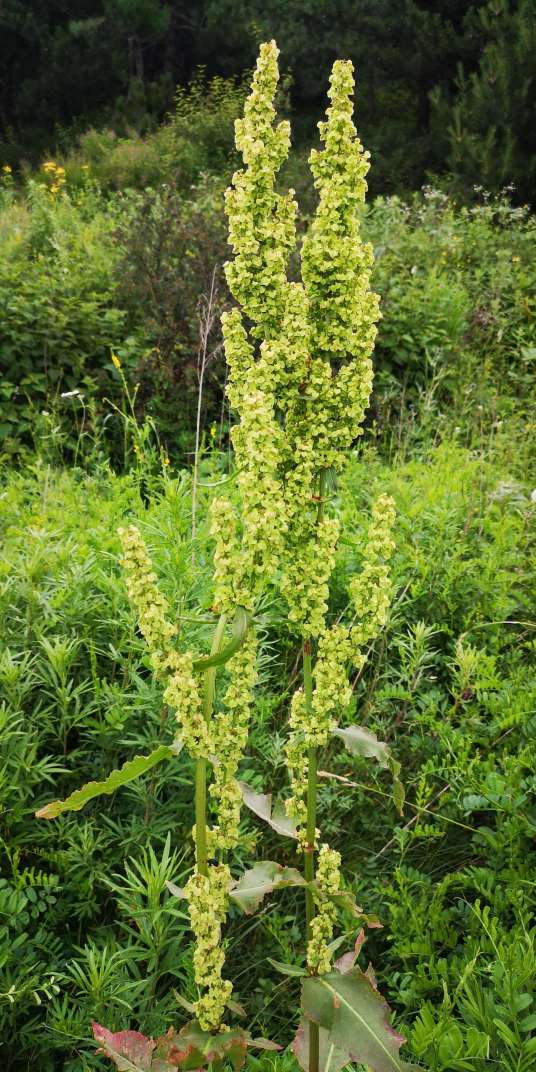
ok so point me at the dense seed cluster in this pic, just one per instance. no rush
(207, 897)
(328, 878)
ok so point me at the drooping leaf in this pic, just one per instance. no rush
(129, 1050)
(130, 770)
(236, 1007)
(345, 900)
(239, 631)
(184, 1003)
(263, 1044)
(356, 1017)
(361, 742)
(330, 1059)
(261, 805)
(252, 887)
(177, 891)
(287, 969)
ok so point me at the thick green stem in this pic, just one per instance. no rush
(201, 763)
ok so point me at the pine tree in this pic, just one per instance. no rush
(491, 126)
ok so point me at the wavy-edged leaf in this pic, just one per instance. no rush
(252, 887)
(330, 1059)
(261, 804)
(361, 742)
(240, 627)
(129, 1050)
(356, 1017)
(130, 770)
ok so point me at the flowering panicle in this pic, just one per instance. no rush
(336, 263)
(312, 728)
(207, 897)
(145, 596)
(182, 695)
(332, 692)
(328, 878)
(296, 753)
(371, 589)
(261, 221)
(305, 581)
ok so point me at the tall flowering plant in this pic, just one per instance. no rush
(300, 377)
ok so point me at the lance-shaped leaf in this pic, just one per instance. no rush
(361, 742)
(356, 1018)
(287, 969)
(330, 1059)
(129, 1050)
(261, 805)
(261, 879)
(239, 632)
(130, 770)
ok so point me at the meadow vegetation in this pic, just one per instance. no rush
(111, 290)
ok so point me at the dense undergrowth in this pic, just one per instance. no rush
(88, 927)
(86, 273)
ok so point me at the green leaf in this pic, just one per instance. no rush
(130, 770)
(184, 1003)
(356, 1017)
(261, 879)
(361, 742)
(261, 805)
(240, 628)
(287, 969)
(330, 1059)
